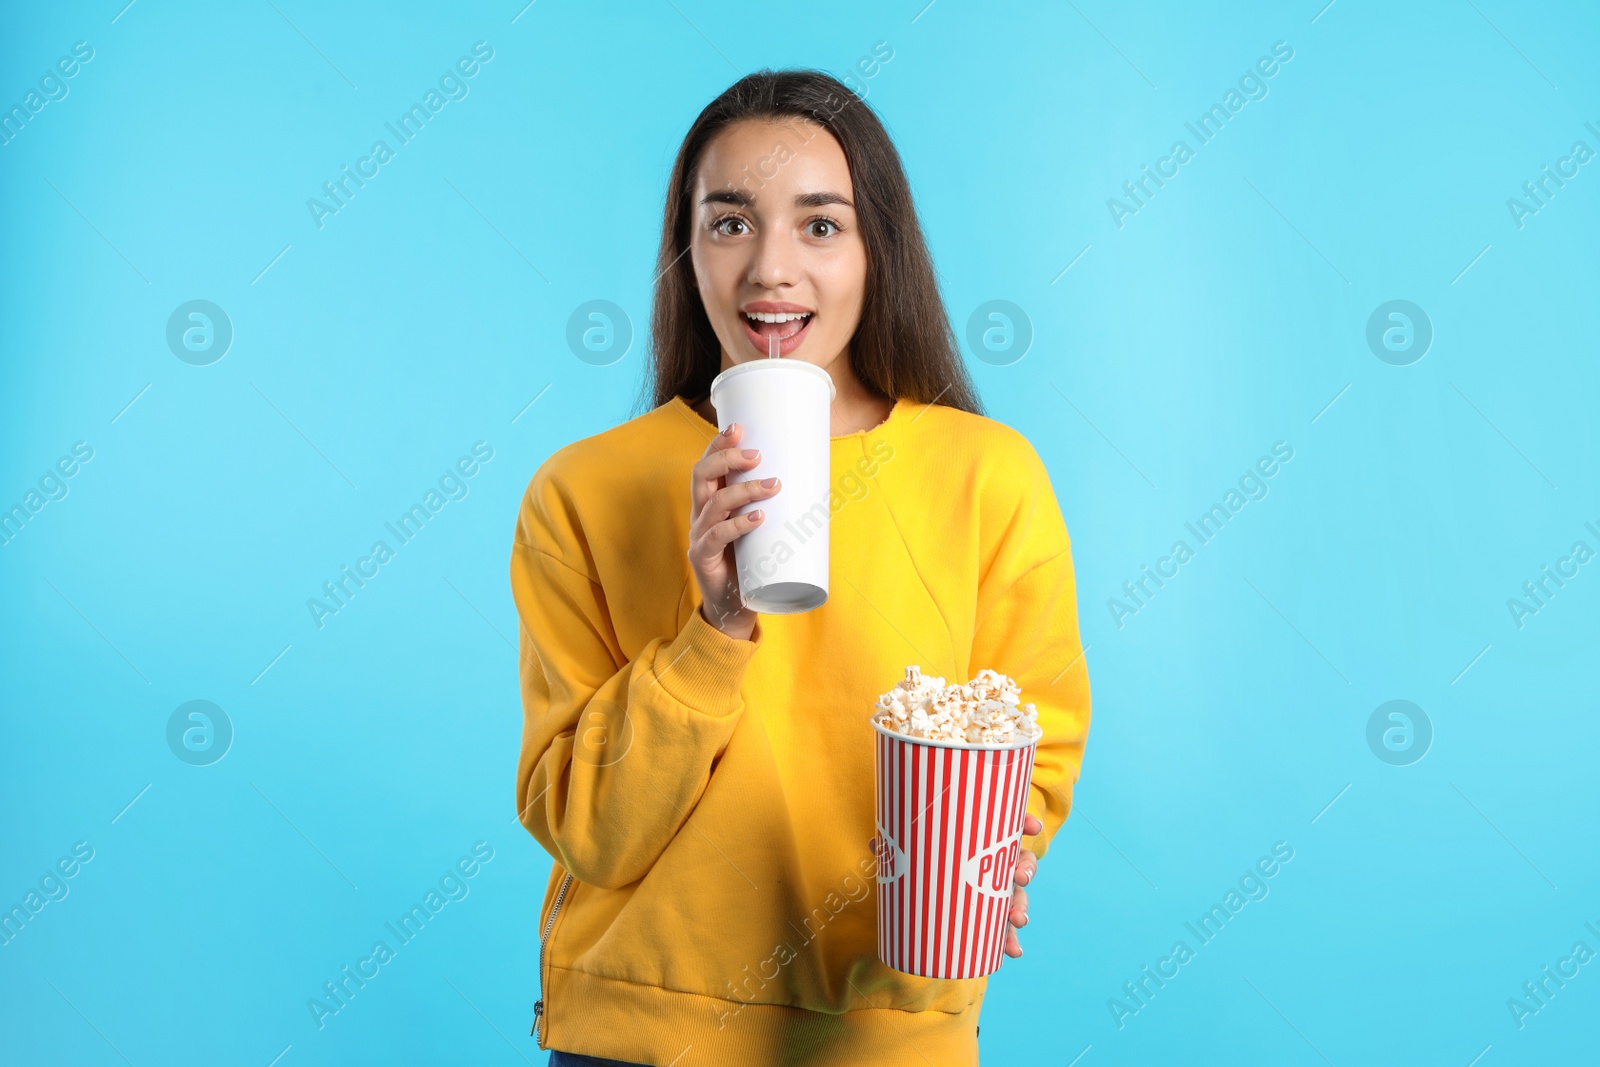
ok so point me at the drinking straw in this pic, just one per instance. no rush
(772, 346)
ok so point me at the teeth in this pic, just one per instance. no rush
(777, 316)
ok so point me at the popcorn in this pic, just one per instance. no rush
(984, 711)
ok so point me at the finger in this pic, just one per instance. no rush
(1018, 915)
(724, 501)
(1027, 864)
(1013, 946)
(1031, 825)
(733, 432)
(721, 505)
(719, 535)
(709, 473)
(730, 435)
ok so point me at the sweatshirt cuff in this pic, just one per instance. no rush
(703, 667)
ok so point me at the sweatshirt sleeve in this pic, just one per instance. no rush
(616, 752)
(1028, 629)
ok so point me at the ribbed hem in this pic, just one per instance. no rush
(660, 1027)
(704, 668)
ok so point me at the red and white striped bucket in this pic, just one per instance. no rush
(949, 830)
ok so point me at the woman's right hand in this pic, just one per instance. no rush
(713, 528)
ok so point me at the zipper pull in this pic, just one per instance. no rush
(538, 1010)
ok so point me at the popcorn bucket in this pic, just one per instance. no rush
(949, 829)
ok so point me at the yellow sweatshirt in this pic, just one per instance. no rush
(708, 801)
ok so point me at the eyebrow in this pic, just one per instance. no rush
(739, 199)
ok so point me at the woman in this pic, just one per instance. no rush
(701, 775)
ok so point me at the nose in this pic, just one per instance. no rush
(772, 260)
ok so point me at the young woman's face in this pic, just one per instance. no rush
(775, 235)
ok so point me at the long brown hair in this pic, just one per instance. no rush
(903, 346)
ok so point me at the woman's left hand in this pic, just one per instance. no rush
(1027, 864)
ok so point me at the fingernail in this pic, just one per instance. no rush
(751, 453)
(755, 516)
(729, 431)
(769, 482)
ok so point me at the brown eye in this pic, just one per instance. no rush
(822, 227)
(721, 225)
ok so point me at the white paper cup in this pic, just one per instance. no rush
(949, 831)
(785, 407)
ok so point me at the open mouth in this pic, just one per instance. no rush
(789, 327)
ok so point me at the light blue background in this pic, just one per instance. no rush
(1223, 317)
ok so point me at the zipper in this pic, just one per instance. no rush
(544, 941)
